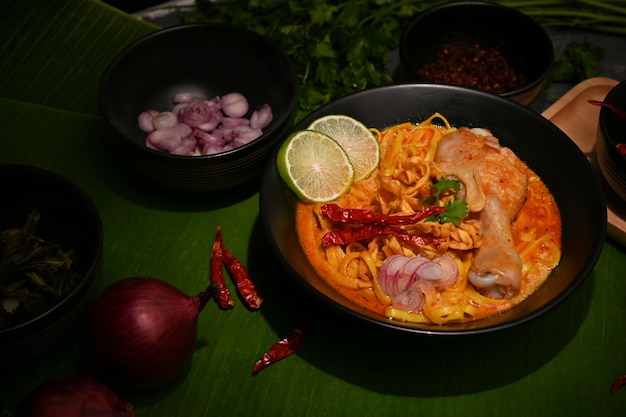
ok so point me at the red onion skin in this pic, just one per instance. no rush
(74, 396)
(142, 333)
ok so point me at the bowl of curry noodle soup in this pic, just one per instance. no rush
(517, 250)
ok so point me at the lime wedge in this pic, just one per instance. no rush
(314, 166)
(356, 139)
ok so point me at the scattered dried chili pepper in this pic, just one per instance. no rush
(474, 66)
(612, 107)
(241, 276)
(362, 216)
(618, 383)
(220, 292)
(368, 231)
(283, 348)
(621, 147)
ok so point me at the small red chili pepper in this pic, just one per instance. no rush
(283, 348)
(241, 276)
(621, 147)
(618, 383)
(612, 107)
(362, 216)
(220, 292)
(368, 231)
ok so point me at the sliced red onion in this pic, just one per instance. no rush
(233, 122)
(389, 270)
(187, 146)
(216, 137)
(412, 264)
(212, 124)
(214, 104)
(183, 98)
(245, 135)
(195, 113)
(449, 271)
(234, 105)
(210, 148)
(412, 299)
(164, 139)
(178, 107)
(164, 120)
(145, 120)
(261, 117)
(429, 271)
(400, 274)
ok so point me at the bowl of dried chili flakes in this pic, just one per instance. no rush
(485, 46)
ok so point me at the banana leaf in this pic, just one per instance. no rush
(52, 56)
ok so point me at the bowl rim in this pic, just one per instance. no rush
(90, 267)
(129, 49)
(605, 114)
(495, 6)
(266, 205)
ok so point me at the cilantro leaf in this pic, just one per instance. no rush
(579, 62)
(442, 186)
(455, 211)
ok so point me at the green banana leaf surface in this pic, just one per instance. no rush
(52, 54)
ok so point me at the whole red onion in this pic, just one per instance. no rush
(74, 396)
(142, 332)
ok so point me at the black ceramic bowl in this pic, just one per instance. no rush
(70, 219)
(611, 132)
(207, 60)
(546, 150)
(521, 41)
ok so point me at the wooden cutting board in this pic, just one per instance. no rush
(579, 120)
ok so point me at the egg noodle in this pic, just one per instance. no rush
(404, 177)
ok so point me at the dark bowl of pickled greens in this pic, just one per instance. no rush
(50, 260)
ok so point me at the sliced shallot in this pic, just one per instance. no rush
(202, 127)
(404, 278)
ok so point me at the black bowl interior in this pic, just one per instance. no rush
(68, 218)
(206, 60)
(613, 127)
(544, 147)
(524, 43)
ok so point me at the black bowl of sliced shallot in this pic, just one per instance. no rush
(199, 107)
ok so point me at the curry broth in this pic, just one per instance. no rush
(538, 216)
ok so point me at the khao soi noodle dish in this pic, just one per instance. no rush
(452, 227)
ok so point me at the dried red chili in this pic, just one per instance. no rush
(368, 231)
(362, 216)
(283, 348)
(618, 383)
(241, 276)
(621, 147)
(474, 66)
(220, 292)
(612, 107)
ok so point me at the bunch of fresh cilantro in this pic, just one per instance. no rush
(338, 47)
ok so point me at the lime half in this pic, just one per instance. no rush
(314, 166)
(356, 139)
